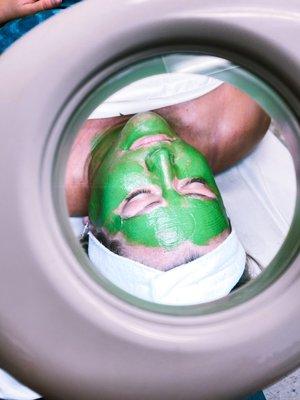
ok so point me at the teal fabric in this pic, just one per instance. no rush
(256, 396)
(13, 30)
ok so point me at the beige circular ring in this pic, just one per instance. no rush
(61, 332)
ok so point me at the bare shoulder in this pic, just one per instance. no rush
(224, 124)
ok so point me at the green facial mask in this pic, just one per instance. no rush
(131, 165)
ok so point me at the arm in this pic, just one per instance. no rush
(224, 124)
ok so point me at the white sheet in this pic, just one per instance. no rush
(155, 92)
(260, 195)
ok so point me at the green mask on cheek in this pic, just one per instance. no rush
(154, 188)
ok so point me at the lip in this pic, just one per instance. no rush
(147, 141)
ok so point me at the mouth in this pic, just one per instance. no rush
(147, 141)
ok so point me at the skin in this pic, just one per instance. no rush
(224, 125)
(12, 9)
(153, 189)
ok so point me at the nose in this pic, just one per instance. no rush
(160, 162)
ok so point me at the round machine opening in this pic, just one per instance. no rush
(180, 184)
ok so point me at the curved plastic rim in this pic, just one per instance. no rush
(64, 334)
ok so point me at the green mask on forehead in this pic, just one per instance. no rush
(152, 187)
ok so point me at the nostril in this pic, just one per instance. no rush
(154, 159)
(149, 163)
(172, 158)
(159, 163)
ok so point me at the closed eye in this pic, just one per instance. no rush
(136, 193)
(195, 187)
(140, 202)
(199, 180)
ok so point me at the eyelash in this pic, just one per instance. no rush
(200, 180)
(134, 194)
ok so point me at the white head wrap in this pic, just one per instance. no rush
(205, 279)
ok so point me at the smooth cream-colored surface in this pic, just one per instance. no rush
(67, 326)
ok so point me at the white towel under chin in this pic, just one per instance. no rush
(155, 92)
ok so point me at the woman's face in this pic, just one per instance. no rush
(154, 190)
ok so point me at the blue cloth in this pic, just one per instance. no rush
(13, 30)
(256, 396)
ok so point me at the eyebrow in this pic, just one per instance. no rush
(136, 193)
